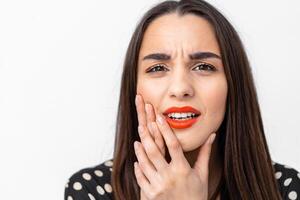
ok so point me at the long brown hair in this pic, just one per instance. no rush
(248, 172)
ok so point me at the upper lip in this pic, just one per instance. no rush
(183, 109)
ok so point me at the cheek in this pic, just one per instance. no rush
(150, 93)
(213, 97)
(215, 102)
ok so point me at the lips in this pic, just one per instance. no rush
(181, 124)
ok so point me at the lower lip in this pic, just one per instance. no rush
(181, 124)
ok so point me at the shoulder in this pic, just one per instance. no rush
(90, 183)
(288, 180)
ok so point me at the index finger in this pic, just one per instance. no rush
(171, 140)
(139, 102)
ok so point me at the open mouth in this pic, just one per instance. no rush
(181, 118)
(182, 121)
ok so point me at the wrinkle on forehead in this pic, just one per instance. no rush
(179, 36)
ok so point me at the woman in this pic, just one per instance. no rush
(189, 106)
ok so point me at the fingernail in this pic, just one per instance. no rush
(135, 145)
(212, 138)
(160, 119)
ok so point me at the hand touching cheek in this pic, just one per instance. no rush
(159, 179)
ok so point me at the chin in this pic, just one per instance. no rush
(188, 146)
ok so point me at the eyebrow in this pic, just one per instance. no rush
(194, 56)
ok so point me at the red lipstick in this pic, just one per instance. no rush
(179, 121)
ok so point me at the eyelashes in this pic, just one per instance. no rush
(201, 66)
(156, 68)
(208, 67)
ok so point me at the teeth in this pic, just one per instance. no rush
(181, 115)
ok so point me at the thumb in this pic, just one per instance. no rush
(202, 163)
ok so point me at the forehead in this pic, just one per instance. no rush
(172, 32)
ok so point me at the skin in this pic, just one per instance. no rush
(179, 83)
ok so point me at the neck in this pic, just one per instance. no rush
(215, 165)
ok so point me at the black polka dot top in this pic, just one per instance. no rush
(94, 183)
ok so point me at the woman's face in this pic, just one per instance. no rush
(181, 77)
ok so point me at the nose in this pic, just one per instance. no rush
(181, 86)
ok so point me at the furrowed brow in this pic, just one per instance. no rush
(202, 55)
(157, 56)
(194, 56)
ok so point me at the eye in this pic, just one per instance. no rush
(157, 68)
(206, 67)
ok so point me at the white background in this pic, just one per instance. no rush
(60, 69)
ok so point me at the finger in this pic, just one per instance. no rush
(172, 142)
(150, 113)
(157, 161)
(151, 150)
(158, 138)
(202, 163)
(145, 164)
(141, 179)
(145, 114)
(149, 118)
(139, 102)
(141, 112)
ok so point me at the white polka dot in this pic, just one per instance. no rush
(108, 188)
(70, 198)
(298, 175)
(91, 196)
(287, 181)
(98, 173)
(293, 195)
(286, 166)
(100, 190)
(77, 186)
(278, 175)
(273, 163)
(108, 163)
(86, 176)
(67, 184)
(110, 169)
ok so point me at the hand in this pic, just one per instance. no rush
(161, 180)
(146, 115)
